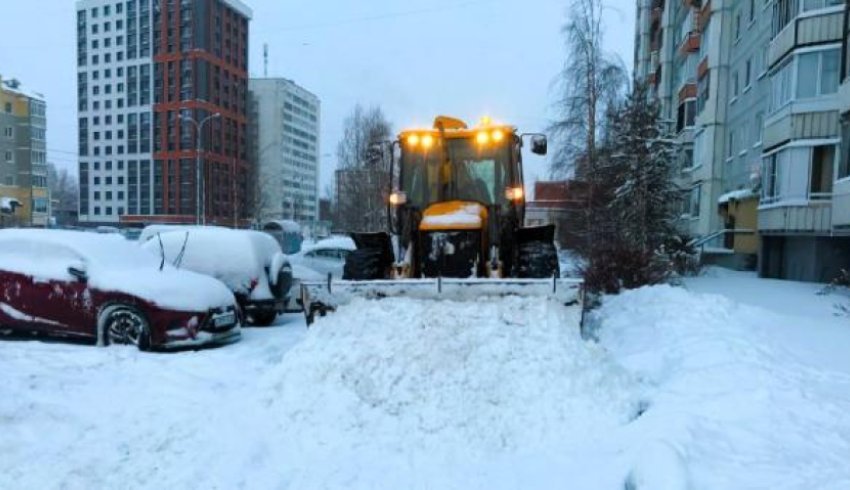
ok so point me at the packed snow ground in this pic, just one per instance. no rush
(730, 382)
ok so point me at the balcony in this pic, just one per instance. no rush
(803, 31)
(688, 91)
(702, 68)
(690, 44)
(799, 217)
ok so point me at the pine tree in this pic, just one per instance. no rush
(646, 200)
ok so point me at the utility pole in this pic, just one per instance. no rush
(200, 212)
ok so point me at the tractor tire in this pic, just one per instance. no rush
(364, 264)
(537, 260)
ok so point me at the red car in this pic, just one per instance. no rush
(104, 288)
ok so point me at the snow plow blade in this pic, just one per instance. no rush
(321, 297)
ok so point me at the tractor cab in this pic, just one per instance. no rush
(459, 198)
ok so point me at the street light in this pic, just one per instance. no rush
(200, 214)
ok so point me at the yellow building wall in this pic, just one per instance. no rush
(23, 215)
(745, 212)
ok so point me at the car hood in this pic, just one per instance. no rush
(168, 288)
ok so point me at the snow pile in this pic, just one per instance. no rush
(728, 406)
(461, 214)
(368, 399)
(737, 195)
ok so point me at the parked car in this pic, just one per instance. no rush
(102, 287)
(287, 233)
(249, 262)
(151, 231)
(325, 256)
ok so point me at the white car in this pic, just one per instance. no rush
(326, 256)
(249, 262)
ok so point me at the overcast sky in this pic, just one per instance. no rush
(414, 58)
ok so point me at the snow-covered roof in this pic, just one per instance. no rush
(112, 264)
(9, 203)
(737, 195)
(286, 225)
(17, 88)
(235, 257)
(151, 231)
(334, 242)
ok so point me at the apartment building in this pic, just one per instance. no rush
(799, 222)
(23, 161)
(286, 121)
(162, 96)
(760, 156)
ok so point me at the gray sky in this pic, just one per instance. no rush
(414, 58)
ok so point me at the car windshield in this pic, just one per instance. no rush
(474, 173)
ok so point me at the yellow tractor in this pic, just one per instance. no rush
(456, 209)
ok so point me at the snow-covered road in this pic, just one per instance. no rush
(731, 382)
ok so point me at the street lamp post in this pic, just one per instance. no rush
(200, 212)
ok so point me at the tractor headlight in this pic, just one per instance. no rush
(483, 137)
(413, 140)
(514, 193)
(498, 135)
(398, 198)
(427, 141)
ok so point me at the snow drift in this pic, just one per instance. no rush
(442, 381)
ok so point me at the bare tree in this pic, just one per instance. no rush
(591, 81)
(362, 175)
(64, 192)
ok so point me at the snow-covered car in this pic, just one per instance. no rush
(249, 262)
(102, 287)
(325, 256)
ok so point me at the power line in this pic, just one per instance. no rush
(387, 15)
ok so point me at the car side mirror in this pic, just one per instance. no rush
(78, 273)
(539, 145)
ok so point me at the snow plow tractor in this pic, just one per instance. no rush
(455, 208)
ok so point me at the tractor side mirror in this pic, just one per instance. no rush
(539, 145)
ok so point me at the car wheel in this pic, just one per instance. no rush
(126, 325)
(263, 318)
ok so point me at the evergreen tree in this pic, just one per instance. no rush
(645, 202)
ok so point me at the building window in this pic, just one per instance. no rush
(844, 164)
(817, 73)
(823, 164)
(735, 85)
(748, 74)
(691, 201)
(8, 108)
(781, 86)
(9, 132)
(703, 92)
(685, 115)
(9, 157)
(97, 210)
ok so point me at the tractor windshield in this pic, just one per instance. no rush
(456, 168)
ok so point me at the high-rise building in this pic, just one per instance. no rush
(153, 76)
(286, 121)
(753, 89)
(23, 163)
